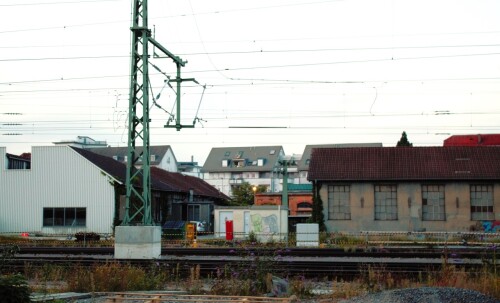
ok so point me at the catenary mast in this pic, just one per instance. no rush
(138, 178)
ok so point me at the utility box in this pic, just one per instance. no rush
(190, 231)
(229, 230)
(308, 234)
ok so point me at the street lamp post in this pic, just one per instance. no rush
(254, 189)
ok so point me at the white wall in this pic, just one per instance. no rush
(59, 177)
(168, 162)
(266, 221)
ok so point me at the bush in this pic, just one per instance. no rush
(14, 289)
(87, 236)
(115, 277)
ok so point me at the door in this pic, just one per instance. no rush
(246, 222)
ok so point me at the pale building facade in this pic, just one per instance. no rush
(407, 189)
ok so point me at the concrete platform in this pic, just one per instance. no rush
(137, 242)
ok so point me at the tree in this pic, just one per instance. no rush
(244, 193)
(317, 210)
(404, 141)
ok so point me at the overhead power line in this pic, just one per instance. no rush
(56, 2)
(64, 58)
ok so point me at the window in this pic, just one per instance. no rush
(61, 216)
(152, 157)
(194, 212)
(250, 175)
(433, 203)
(386, 202)
(240, 163)
(225, 163)
(236, 176)
(481, 202)
(339, 207)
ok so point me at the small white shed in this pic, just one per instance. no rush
(267, 222)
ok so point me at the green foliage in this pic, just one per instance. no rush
(404, 141)
(244, 193)
(252, 237)
(317, 211)
(14, 289)
(7, 252)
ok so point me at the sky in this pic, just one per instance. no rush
(273, 72)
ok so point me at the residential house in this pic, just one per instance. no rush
(67, 189)
(161, 156)
(190, 168)
(228, 167)
(407, 188)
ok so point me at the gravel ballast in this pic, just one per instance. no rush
(424, 295)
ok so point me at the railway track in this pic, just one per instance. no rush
(311, 262)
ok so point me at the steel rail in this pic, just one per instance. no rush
(293, 261)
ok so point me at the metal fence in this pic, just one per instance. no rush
(325, 239)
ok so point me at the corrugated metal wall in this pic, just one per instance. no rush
(59, 177)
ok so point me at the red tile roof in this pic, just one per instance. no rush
(405, 163)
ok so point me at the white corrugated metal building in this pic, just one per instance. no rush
(62, 193)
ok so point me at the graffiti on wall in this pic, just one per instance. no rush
(267, 224)
(491, 226)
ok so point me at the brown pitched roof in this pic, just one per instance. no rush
(405, 163)
(184, 183)
(160, 179)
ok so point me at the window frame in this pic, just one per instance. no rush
(433, 202)
(480, 212)
(339, 205)
(381, 210)
(64, 217)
